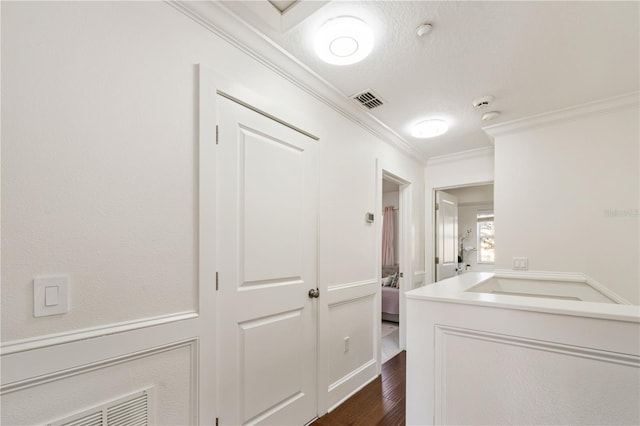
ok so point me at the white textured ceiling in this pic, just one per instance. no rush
(534, 57)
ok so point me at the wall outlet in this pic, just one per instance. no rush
(346, 344)
(521, 263)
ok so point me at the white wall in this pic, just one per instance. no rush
(99, 181)
(566, 196)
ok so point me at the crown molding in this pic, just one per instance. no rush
(459, 156)
(228, 26)
(562, 115)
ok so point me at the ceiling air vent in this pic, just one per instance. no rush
(368, 99)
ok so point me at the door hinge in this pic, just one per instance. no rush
(216, 421)
(437, 204)
(217, 135)
(437, 260)
(216, 281)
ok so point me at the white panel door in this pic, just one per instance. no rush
(267, 191)
(446, 235)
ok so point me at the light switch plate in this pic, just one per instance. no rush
(50, 295)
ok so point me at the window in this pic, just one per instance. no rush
(486, 249)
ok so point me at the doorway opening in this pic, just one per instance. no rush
(394, 267)
(390, 314)
(464, 230)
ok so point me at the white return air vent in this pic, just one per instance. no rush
(131, 410)
(368, 99)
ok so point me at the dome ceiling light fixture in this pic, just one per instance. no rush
(343, 40)
(429, 128)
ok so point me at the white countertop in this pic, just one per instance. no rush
(454, 290)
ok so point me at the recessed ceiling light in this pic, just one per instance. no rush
(344, 40)
(429, 128)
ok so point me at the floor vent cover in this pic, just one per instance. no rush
(130, 410)
(368, 99)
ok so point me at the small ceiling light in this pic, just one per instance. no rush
(424, 29)
(344, 40)
(429, 128)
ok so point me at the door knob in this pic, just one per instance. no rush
(314, 293)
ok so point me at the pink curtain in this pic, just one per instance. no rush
(388, 254)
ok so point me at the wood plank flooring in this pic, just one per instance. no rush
(381, 402)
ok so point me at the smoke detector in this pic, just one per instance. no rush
(423, 30)
(488, 116)
(483, 102)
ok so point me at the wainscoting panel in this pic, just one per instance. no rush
(171, 370)
(352, 344)
(562, 384)
(23, 362)
(494, 364)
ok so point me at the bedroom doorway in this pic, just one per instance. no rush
(391, 271)
(464, 230)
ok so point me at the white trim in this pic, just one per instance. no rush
(566, 114)
(207, 373)
(336, 387)
(345, 286)
(350, 375)
(463, 155)
(44, 341)
(358, 389)
(83, 369)
(228, 26)
(562, 276)
(351, 297)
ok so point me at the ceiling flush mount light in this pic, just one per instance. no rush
(429, 128)
(344, 40)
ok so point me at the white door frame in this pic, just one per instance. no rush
(207, 371)
(430, 225)
(210, 84)
(405, 245)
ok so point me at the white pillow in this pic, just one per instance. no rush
(386, 281)
(394, 280)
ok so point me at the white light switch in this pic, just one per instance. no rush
(50, 295)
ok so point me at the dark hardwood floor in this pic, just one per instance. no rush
(381, 402)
